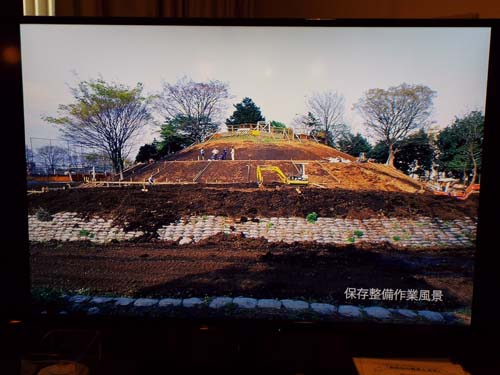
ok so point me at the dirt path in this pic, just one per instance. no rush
(229, 265)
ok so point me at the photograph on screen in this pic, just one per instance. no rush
(304, 173)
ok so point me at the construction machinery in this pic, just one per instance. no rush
(460, 195)
(300, 179)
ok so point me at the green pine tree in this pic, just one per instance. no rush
(246, 112)
(353, 144)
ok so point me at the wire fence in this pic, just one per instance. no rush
(46, 156)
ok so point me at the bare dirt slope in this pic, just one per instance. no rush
(322, 167)
(354, 176)
(255, 148)
(165, 204)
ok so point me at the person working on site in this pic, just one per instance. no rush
(232, 152)
(202, 154)
(224, 154)
(215, 152)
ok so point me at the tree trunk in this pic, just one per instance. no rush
(120, 166)
(474, 170)
(117, 162)
(116, 165)
(390, 159)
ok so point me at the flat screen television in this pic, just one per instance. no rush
(331, 172)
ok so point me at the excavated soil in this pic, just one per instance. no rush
(325, 166)
(353, 176)
(234, 266)
(254, 148)
(167, 203)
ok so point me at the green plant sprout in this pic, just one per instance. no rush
(84, 233)
(358, 233)
(312, 217)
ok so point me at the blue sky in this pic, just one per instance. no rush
(277, 67)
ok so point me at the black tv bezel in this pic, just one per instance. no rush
(485, 275)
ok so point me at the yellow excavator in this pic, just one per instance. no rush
(300, 179)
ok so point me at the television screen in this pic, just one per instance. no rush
(293, 173)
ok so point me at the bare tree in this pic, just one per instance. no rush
(391, 114)
(199, 104)
(30, 163)
(51, 157)
(96, 159)
(29, 154)
(328, 108)
(105, 117)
